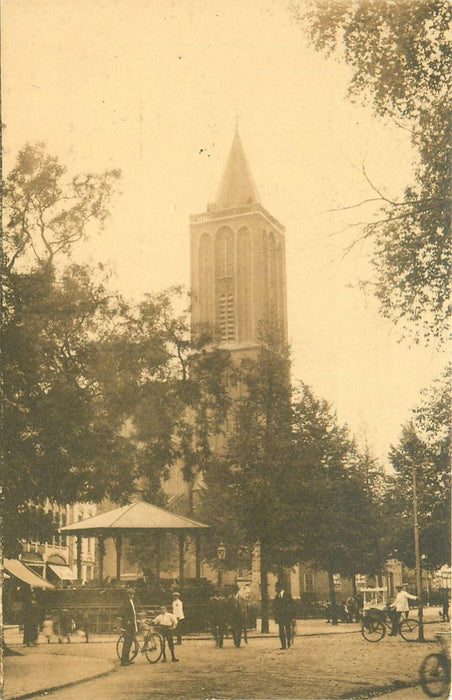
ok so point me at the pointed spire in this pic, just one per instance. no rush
(237, 186)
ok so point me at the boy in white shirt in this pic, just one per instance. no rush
(167, 623)
(178, 611)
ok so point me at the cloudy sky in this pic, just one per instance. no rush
(155, 88)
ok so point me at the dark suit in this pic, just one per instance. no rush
(31, 621)
(218, 615)
(237, 617)
(284, 612)
(129, 623)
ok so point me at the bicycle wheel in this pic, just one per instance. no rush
(434, 676)
(133, 649)
(409, 629)
(373, 630)
(153, 647)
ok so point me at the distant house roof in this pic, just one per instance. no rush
(135, 517)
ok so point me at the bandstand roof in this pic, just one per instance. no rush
(135, 517)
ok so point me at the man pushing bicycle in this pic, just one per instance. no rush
(400, 606)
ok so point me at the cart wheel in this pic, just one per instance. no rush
(133, 649)
(153, 647)
(409, 629)
(373, 630)
(434, 676)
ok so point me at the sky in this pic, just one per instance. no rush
(156, 89)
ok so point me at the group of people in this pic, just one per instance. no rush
(228, 613)
(170, 625)
(57, 625)
(232, 613)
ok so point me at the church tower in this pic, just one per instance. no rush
(238, 275)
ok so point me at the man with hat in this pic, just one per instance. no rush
(237, 615)
(178, 611)
(400, 605)
(129, 622)
(284, 612)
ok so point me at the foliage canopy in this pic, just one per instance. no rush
(97, 392)
(400, 56)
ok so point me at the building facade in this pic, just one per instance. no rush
(55, 559)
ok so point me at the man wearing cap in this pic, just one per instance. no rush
(178, 611)
(400, 605)
(129, 622)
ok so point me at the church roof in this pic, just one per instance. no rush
(237, 186)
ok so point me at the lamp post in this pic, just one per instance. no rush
(429, 587)
(417, 554)
(221, 556)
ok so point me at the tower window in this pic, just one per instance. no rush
(225, 253)
(224, 272)
(226, 317)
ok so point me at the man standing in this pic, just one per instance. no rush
(129, 622)
(178, 612)
(284, 612)
(167, 623)
(400, 605)
(218, 613)
(31, 620)
(237, 615)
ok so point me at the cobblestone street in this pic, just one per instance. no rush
(322, 666)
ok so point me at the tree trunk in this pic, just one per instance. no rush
(354, 584)
(332, 598)
(264, 592)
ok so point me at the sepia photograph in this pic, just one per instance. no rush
(226, 351)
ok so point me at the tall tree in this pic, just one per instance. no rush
(424, 447)
(246, 480)
(176, 390)
(336, 516)
(291, 478)
(400, 56)
(56, 438)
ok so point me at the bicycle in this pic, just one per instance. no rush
(153, 645)
(377, 622)
(434, 672)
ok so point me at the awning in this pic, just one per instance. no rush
(63, 572)
(19, 570)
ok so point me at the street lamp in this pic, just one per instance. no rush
(221, 556)
(417, 554)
